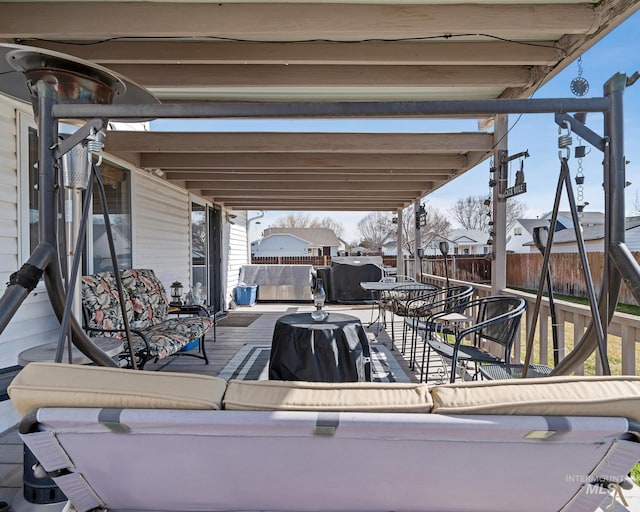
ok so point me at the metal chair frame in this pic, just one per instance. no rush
(401, 296)
(452, 299)
(489, 326)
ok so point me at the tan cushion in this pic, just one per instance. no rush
(559, 396)
(321, 396)
(65, 385)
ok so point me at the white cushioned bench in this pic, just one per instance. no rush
(298, 446)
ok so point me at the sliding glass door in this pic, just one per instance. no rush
(206, 252)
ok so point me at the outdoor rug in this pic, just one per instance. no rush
(251, 362)
(238, 319)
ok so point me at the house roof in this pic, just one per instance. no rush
(317, 237)
(290, 235)
(593, 232)
(586, 218)
(468, 236)
(309, 59)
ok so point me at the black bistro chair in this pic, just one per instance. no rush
(423, 308)
(495, 319)
(400, 298)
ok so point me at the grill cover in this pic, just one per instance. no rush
(347, 272)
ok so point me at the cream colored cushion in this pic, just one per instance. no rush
(64, 385)
(559, 396)
(321, 396)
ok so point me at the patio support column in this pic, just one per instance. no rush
(499, 206)
(416, 242)
(399, 242)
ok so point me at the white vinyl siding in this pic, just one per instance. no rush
(8, 192)
(590, 246)
(34, 323)
(235, 239)
(632, 237)
(161, 222)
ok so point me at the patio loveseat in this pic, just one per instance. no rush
(158, 330)
(553, 444)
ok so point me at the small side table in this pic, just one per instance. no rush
(453, 321)
(499, 371)
(47, 352)
(332, 350)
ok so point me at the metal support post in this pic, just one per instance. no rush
(416, 241)
(499, 207)
(400, 242)
(48, 221)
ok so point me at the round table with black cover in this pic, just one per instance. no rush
(333, 350)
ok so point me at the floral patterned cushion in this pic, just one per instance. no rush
(147, 310)
(161, 344)
(193, 327)
(164, 343)
(101, 302)
(148, 296)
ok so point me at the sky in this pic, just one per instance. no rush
(619, 51)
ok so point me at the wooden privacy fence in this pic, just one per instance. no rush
(473, 269)
(523, 271)
(316, 261)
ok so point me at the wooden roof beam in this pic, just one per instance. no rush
(299, 161)
(158, 76)
(345, 205)
(321, 187)
(475, 52)
(288, 21)
(307, 177)
(261, 142)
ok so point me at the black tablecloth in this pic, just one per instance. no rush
(333, 350)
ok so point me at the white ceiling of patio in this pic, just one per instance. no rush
(304, 51)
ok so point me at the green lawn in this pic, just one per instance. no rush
(630, 309)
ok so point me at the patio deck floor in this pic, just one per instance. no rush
(229, 341)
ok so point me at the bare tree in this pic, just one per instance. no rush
(474, 212)
(436, 228)
(303, 220)
(331, 223)
(293, 220)
(376, 229)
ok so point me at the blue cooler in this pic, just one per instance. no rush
(246, 295)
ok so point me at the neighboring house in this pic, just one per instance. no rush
(157, 225)
(298, 242)
(520, 236)
(564, 240)
(433, 247)
(469, 241)
(282, 244)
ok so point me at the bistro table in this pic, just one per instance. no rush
(335, 349)
(382, 289)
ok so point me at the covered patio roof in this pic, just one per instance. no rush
(304, 51)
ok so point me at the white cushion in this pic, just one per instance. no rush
(321, 396)
(67, 385)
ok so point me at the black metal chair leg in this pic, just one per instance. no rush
(203, 349)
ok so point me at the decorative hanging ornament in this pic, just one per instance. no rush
(579, 85)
